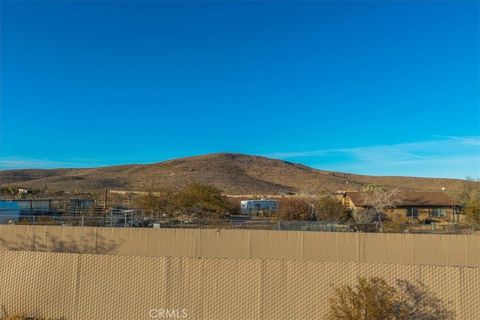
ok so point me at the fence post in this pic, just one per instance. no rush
(82, 220)
(33, 220)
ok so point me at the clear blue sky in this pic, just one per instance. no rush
(385, 88)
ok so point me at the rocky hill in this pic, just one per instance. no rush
(233, 173)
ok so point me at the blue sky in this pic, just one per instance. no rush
(384, 88)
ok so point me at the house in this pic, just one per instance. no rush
(413, 206)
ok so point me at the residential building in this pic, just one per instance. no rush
(413, 206)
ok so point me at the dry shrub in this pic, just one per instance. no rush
(295, 209)
(375, 299)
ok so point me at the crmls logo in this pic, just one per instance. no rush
(168, 313)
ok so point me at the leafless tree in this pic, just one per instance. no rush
(470, 200)
(364, 215)
(377, 201)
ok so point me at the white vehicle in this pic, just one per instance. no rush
(258, 206)
(9, 212)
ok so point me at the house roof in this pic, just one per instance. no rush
(407, 198)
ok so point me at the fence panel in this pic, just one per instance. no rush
(85, 286)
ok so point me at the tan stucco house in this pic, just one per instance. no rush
(413, 206)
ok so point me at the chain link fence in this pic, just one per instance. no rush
(236, 222)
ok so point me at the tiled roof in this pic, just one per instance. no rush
(408, 198)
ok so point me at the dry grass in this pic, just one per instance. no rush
(232, 173)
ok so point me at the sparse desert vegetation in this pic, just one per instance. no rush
(232, 173)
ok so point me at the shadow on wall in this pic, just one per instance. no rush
(374, 299)
(91, 243)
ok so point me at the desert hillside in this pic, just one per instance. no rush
(233, 173)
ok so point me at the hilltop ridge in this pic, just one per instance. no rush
(232, 172)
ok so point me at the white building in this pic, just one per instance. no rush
(259, 206)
